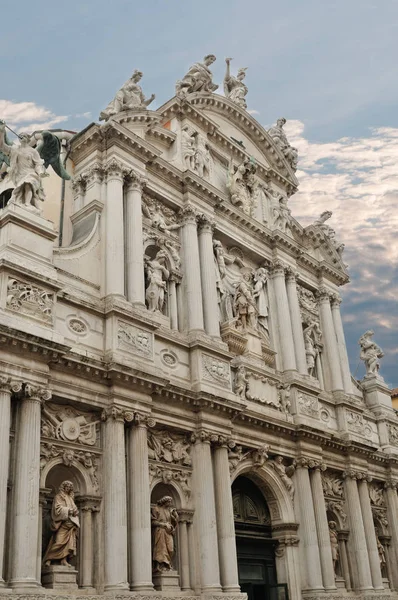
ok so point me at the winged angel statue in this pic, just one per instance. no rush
(24, 165)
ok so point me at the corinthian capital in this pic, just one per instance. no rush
(277, 267)
(335, 300)
(206, 223)
(291, 275)
(115, 169)
(135, 181)
(36, 393)
(9, 385)
(188, 214)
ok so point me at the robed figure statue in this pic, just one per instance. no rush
(164, 523)
(65, 525)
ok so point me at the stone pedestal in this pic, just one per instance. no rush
(58, 577)
(166, 581)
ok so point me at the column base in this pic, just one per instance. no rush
(232, 589)
(211, 589)
(146, 586)
(117, 587)
(166, 581)
(25, 585)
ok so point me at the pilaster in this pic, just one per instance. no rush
(283, 315)
(134, 239)
(295, 316)
(332, 361)
(341, 345)
(191, 268)
(208, 276)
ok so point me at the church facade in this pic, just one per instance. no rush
(177, 412)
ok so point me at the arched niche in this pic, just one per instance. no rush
(160, 490)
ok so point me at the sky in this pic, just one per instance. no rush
(328, 67)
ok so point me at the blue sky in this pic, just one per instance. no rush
(328, 67)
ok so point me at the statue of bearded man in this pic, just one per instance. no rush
(65, 525)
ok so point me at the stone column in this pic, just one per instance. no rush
(322, 527)
(357, 532)
(392, 512)
(134, 240)
(330, 341)
(191, 267)
(208, 276)
(114, 255)
(283, 314)
(343, 537)
(6, 388)
(225, 519)
(341, 345)
(173, 302)
(139, 505)
(25, 526)
(312, 574)
(205, 514)
(295, 317)
(42, 503)
(370, 534)
(87, 507)
(115, 500)
(385, 541)
(184, 517)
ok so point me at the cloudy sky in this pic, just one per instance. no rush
(328, 67)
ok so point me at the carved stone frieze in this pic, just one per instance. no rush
(167, 447)
(30, 300)
(308, 405)
(169, 474)
(135, 340)
(337, 507)
(236, 455)
(216, 370)
(332, 485)
(376, 494)
(357, 424)
(393, 434)
(66, 423)
(69, 456)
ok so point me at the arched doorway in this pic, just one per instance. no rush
(254, 543)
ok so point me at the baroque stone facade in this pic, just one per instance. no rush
(178, 364)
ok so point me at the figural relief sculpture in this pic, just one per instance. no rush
(198, 79)
(234, 88)
(279, 137)
(157, 276)
(65, 526)
(242, 185)
(329, 232)
(129, 97)
(196, 152)
(334, 544)
(164, 519)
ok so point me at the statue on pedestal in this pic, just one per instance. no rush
(241, 382)
(279, 136)
(234, 88)
(130, 96)
(164, 521)
(370, 353)
(329, 231)
(198, 79)
(65, 525)
(312, 341)
(242, 185)
(157, 276)
(334, 544)
(260, 295)
(244, 304)
(284, 473)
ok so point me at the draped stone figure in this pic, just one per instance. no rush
(334, 543)
(222, 259)
(244, 304)
(242, 185)
(260, 295)
(370, 353)
(65, 525)
(234, 88)
(198, 79)
(130, 96)
(281, 141)
(164, 521)
(157, 276)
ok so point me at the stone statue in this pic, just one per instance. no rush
(311, 351)
(196, 152)
(244, 304)
(188, 148)
(235, 456)
(260, 295)
(382, 554)
(234, 88)
(284, 473)
(222, 259)
(198, 79)
(284, 396)
(154, 213)
(157, 276)
(164, 521)
(260, 456)
(130, 96)
(242, 185)
(334, 543)
(241, 382)
(370, 353)
(329, 231)
(282, 214)
(279, 137)
(65, 525)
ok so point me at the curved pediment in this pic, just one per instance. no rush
(228, 124)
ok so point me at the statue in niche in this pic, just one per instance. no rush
(65, 525)
(157, 275)
(260, 295)
(382, 554)
(198, 79)
(130, 96)
(244, 304)
(242, 185)
(188, 148)
(370, 353)
(222, 259)
(196, 152)
(312, 341)
(241, 382)
(155, 214)
(164, 520)
(279, 137)
(334, 544)
(234, 88)
(284, 396)
(329, 231)
(235, 456)
(284, 473)
(282, 214)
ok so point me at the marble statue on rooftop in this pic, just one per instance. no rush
(370, 353)
(282, 214)
(65, 525)
(130, 96)
(279, 136)
(234, 88)
(198, 79)
(328, 231)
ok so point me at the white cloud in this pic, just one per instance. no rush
(253, 112)
(28, 116)
(357, 178)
